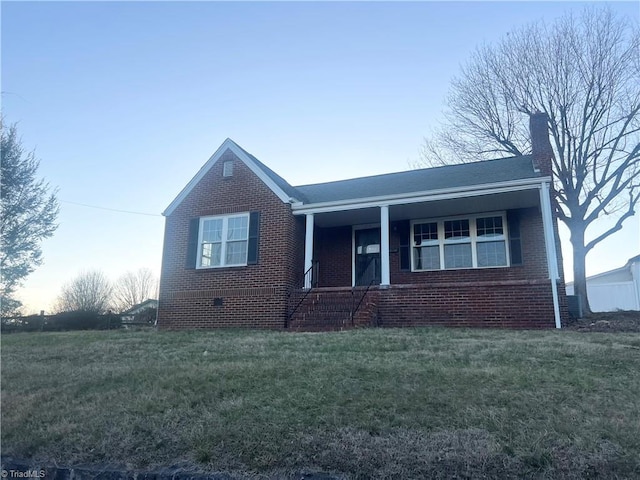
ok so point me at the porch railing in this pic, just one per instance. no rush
(357, 306)
(310, 277)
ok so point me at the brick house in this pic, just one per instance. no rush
(461, 245)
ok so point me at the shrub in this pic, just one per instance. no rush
(30, 323)
(82, 321)
(61, 322)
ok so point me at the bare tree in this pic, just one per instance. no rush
(584, 72)
(88, 292)
(133, 288)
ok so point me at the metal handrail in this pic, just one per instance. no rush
(354, 310)
(313, 283)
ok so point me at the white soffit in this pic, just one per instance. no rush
(416, 197)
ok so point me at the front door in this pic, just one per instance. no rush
(367, 258)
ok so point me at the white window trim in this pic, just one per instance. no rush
(223, 247)
(473, 240)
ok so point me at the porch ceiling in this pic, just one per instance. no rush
(432, 209)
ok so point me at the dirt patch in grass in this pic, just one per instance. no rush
(621, 321)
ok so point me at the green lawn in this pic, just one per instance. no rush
(375, 403)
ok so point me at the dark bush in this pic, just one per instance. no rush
(82, 321)
(62, 322)
(30, 323)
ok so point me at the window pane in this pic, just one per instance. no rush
(456, 229)
(210, 254)
(236, 253)
(425, 233)
(237, 228)
(457, 256)
(491, 254)
(427, 258)
(212, 230)
(489, 227)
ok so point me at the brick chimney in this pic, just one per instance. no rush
(541, 149)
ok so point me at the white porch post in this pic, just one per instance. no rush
(385, 278)
(550, 246)
(308, 250)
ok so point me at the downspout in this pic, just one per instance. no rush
(550, 244)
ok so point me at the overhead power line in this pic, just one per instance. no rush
(111, 209)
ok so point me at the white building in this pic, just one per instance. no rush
(617, 289)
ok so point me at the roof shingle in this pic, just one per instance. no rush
(422, 180)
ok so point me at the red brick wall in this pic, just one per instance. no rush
(333, 251)
(517, 296)
(513, 304)
(533, 253)
(257, 295)
(252, 296)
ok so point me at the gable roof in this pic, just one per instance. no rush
(275, 182)
(277, 179)
(447, 177)
(425, 179)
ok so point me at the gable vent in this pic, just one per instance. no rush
(227, 168)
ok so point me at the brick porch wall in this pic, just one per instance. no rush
(333, 251)
(518, 296)
(252, 296)
(511, 304)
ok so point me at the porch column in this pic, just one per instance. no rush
(550, 246)
(308, 250)
(385, 279)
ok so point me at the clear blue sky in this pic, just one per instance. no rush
(124, 102)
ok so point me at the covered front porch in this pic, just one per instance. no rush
(438, 255)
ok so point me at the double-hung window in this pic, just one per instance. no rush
(457, 244)
(491, 241)
(426, 246)
(223, 241)
(476, 241)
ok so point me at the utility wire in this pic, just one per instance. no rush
(111, 209)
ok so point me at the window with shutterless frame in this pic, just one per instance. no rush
(469, 241)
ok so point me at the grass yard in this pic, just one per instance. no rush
(375, 403)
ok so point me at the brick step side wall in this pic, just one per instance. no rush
(331, 310)
(518, 304)
(367, 313)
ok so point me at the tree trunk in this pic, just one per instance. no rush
(579, 270)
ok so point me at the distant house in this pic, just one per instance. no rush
(461, 245)
(144, 312)
(617, 289)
